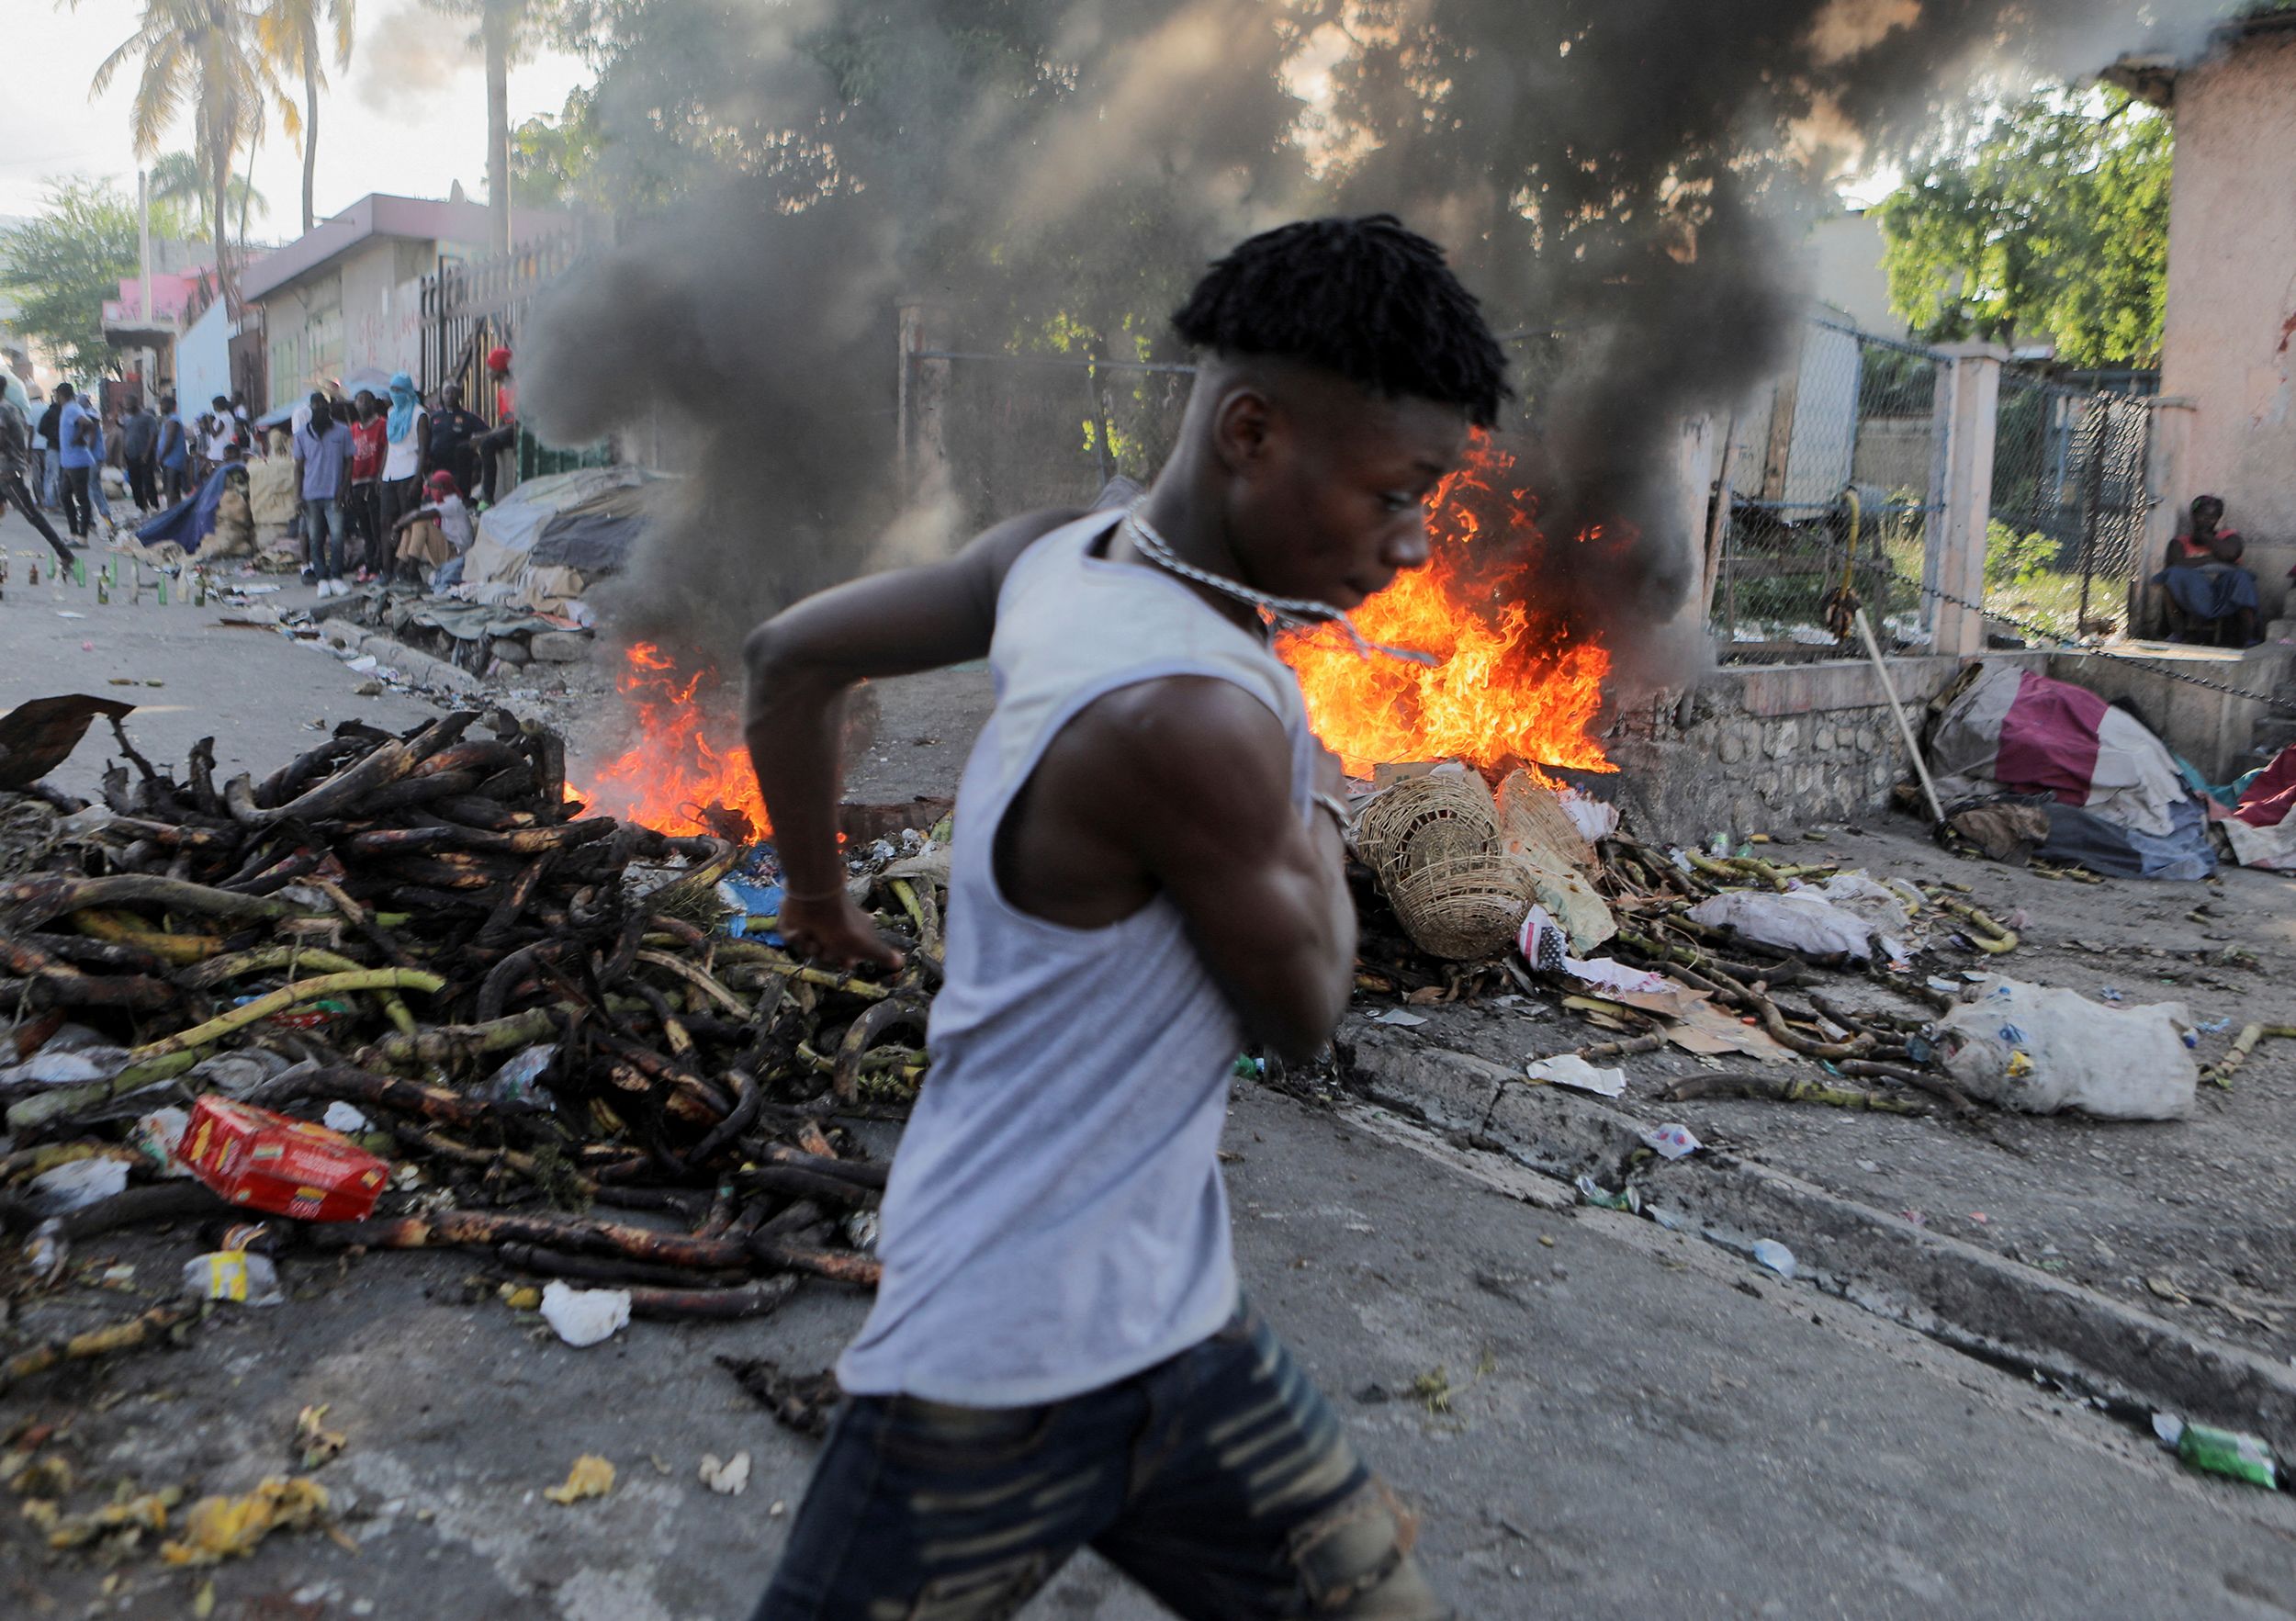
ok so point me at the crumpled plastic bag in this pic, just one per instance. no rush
(2042, 1050)
(585, 1316)
(76, 1185)
(1847, 916)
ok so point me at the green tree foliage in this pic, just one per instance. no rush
(2049, 220)
(61, 266)
(553, 160)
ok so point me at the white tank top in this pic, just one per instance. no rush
(402, 459)
(1055, 1219)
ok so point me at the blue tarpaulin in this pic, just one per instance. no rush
(188, 522)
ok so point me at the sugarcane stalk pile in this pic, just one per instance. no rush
(394, 916)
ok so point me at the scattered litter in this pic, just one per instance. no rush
(516, 1081)
(317, 1444)
(1397, 1016)
(1849, 916)
(69, 614)
(1573, 1071)
(76, 1186)
(728, 1479)
(1593, 1193)
(341, 1117)
(591, 1476)
(1671, 1141)
(156, 1136)
(289, 1167)
(2042, 1050)
(2219, 1452)
(1769, 1253)
(217, 1528)
(585, 1316)
(233, 1275)
(2109, 995)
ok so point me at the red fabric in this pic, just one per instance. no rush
(506, 402)
(497, 359)
(2273, 794)
(2049, 739)
(366, 450)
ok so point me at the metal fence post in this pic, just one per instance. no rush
(923, 390)
(2165, 494)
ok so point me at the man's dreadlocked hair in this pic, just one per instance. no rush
(1367, 299)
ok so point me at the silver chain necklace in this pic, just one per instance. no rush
(1289, 612)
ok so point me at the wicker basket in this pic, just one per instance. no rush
(1463, 907)
(1433, 841)
(1427, 819)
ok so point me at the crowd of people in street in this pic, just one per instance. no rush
(375, 485)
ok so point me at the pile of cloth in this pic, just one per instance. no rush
(2254, 815)
(543, 547)
(2030, 767)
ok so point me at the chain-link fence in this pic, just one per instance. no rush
(1831, 475)
(2069, 503)
(1023, 432)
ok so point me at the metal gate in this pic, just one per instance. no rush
(2070, 504)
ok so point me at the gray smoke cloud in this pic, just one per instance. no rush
(1633, 174)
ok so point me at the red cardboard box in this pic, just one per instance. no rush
(290, 1167)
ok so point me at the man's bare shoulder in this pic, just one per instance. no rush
(1194, 738)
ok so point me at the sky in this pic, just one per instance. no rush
(408, 117)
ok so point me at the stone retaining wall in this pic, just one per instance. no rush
(1766, 748)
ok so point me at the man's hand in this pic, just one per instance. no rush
(801, 661)
(836, 931)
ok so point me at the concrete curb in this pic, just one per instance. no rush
(1965, 1296)
(417, 665)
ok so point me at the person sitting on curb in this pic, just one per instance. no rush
(2209, 593)
(435, 533)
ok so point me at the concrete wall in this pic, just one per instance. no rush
(202, 362)
(1773, 748)
(1765, 749)
(2232, 301)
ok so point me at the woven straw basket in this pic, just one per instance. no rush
(1435, 843)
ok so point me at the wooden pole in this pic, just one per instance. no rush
(1905, 726)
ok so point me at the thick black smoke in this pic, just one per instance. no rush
(1633, 176)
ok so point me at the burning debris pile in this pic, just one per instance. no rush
(530, 1016)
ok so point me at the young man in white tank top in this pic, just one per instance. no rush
(1145, 877)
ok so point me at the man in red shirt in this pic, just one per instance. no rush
(362, 508)
(503, 436)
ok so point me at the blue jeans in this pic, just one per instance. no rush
(323, 535)
(1219, 1480)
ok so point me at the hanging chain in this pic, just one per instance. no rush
(2069, 645)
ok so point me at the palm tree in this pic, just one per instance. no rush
(178, 181)
(507, 29)
(205, 53)
(295, 36)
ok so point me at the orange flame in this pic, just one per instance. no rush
(674, 779)
(1508, 684)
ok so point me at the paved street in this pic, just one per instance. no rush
(1594, 1416)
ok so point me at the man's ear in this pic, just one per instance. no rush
(1244, 428)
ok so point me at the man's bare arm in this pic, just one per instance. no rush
(800, 664)
(1193, 777)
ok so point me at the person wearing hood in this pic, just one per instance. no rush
(406, 445)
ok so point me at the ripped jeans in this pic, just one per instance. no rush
(1219, 1480)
